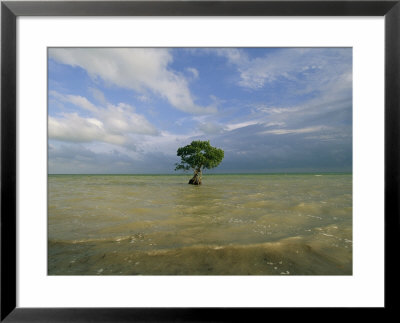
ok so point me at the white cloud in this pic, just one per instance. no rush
(272, 124)
(139, 69)
(143, 98)
(72, 127)
(233, 55)
(234, 126)
(81, 102)
(98, 95)
(275, 110)
(194, 72)
(295, 131)
(112, 123)
(309, 68)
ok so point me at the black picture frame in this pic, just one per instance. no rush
(11, 10)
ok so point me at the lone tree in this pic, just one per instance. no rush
(197, 156)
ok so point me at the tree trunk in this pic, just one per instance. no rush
(196, 179)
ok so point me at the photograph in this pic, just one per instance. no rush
(199, 161)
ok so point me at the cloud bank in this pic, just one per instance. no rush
(139, 69)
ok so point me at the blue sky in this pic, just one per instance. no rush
(128, 110)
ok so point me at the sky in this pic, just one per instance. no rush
(128, 110)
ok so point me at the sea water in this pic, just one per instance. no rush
(254, 224)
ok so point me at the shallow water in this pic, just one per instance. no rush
(298, 224)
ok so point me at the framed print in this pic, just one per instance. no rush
(195, 160)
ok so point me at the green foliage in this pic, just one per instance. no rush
(199, 155)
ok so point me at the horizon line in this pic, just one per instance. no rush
(236, 173)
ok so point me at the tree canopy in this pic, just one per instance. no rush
(199, 155)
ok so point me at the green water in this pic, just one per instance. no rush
(298, 224)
